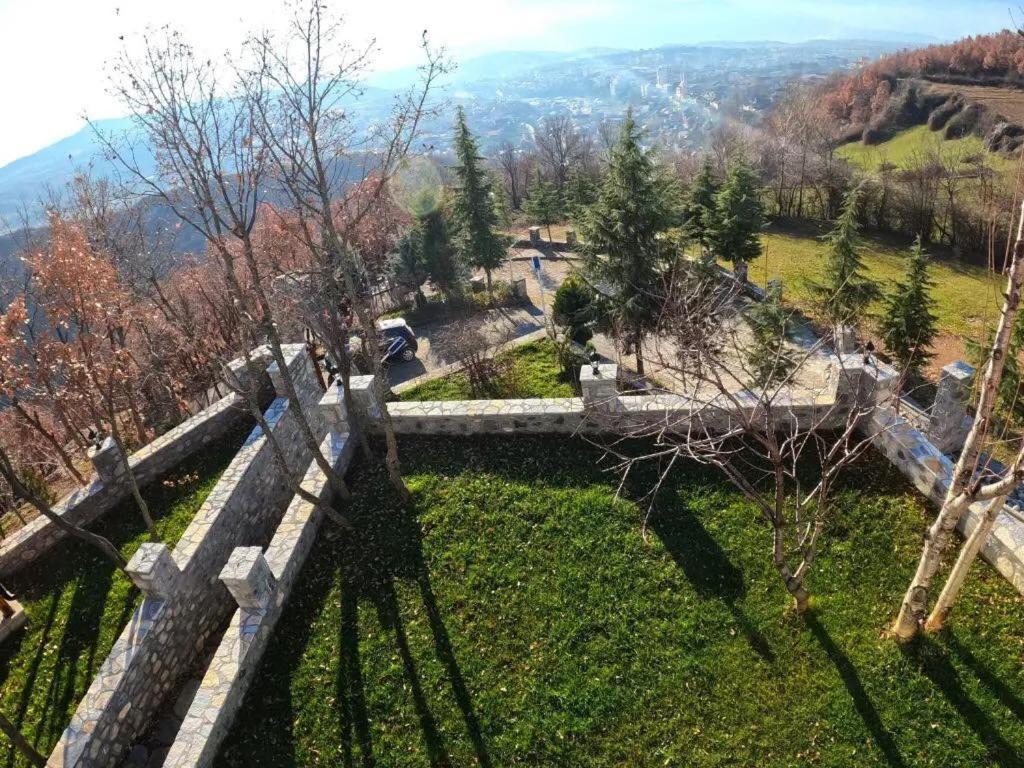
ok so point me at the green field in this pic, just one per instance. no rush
(516, 614)
(536, 372)
(968, 297)
(902, 149)
(77, 602)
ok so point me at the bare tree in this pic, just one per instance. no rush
(311, 142)
(968, 485)
(561, 146)
(780, 442)
(515, 172)
(212, 174)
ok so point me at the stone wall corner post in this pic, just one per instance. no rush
(108, 461)
(248, 578)
(949, 422)
(366, 398)
(845, 339)
(535, 237)
(571, 241)
(154, 572)
(332, 407)
(600, 386)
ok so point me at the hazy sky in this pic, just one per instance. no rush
(52, 52)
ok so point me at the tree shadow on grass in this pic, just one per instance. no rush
(861, 700)
(707, 567)
(934, 662)
(1007, 697)
(385, 549)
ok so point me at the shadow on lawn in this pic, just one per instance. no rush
(861, 701)
(935, 663)
(707, 567)
(387, 549)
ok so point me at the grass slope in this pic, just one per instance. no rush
(902, 148)
(968, 297)
(517, 617)
(537, 374)
(77, 602)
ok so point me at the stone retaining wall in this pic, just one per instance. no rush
(184, 602)
(87, 504)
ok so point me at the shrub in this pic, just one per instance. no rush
(574, 309)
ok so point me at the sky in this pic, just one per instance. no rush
(53, 53)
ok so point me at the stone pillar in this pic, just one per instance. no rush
(601, 386)
(570, 239)
(249, 579)
(107, 461)
(332, 407)
(949, 422)
(535, 237)
(304, 378)
(740, 271)
(519, 289)
(250, 376)
(366, 398)
(880, 382)
(846, 340)
(154, 571)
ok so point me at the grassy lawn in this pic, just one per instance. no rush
(902, 148)
(77, 602)
(968, 297)
(515, 615)
(536, 373)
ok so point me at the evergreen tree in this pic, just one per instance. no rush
(909, 324)
(580, 193)
(622, 230)
(768, 356)
(543, 204)
(700, 208)
(474, 220)
(735, 232)
(447, 271)
(573, 308)
(1010, 396)
(846, 291)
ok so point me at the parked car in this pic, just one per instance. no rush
(397, 340)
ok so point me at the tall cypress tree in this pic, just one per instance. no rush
(845, 292)
(909, 324)
(699, 208)
(446, 269)
(735, 232)
(625, 252)
(474, 220)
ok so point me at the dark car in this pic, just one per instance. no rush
(397, 340)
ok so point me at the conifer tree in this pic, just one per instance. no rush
(735, 232)
(580, 193)
(446, 269)
(846, 292)
(908, 325)
(474, 220)
(768, 357)
(543, 204)
(699, 208)
(623, 238)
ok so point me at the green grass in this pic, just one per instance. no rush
(537, 373)
(516, 616)
(78, 602)
(968, 297)
(902, 149)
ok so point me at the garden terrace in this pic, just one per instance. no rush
(78, 602)
(518, 613)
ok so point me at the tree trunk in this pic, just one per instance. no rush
(490, 287)
(958, 497)
(640, 355)
(958, 575)
(20, 742)
(133, 485)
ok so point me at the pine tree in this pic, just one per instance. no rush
(735, 232)
(474, 220)
(846, 292)
(909, 324)
(573, 308)
(768, 356)
(580, 193)
(543, 204)
(447, 271)
(622, 230)
(699, 208)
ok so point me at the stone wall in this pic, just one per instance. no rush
(184, 603)
(109, 487)
(261, 583)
